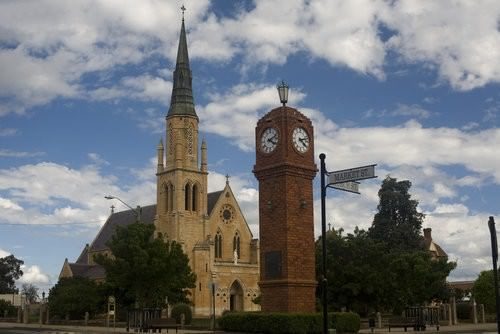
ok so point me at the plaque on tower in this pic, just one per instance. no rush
(273, 265)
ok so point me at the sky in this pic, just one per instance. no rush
(412, 86)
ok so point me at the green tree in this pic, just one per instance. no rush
(74, 296)
(355, 271)
(10, 271)
(484, 290)
(145, 270)
(30, 291)
(387, 267)
(397, 222)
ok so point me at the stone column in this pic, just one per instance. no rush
(26, 314)
(450, 314)
(474, 311)
(40, 317)
(454, 303)
(379, 320)
(483, 318)
(47, 317)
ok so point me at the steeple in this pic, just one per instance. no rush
(182, 102)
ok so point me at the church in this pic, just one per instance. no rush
(210, 226)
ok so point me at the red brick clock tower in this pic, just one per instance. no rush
(285, 169)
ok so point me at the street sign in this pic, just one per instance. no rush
(351, 186)
(351, 174)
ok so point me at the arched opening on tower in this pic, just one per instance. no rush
(194, 205)
(187, 196)
(236, 297)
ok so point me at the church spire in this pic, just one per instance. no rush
(182, 102)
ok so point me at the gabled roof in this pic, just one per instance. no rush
(87, 270)
(84, 258)
(122, 218)
(212, 199)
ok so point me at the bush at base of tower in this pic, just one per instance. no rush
(293, 323)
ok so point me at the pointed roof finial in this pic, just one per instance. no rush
(227, 178)
(112, 209)
(183, 10)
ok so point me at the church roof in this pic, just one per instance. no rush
(87, 270)
(182, 102)
(122, 218)
(212, 200)
(83, 258)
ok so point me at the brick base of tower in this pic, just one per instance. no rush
(288, 296)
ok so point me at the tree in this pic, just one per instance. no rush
(74, 296)
(386, 268)
(10, 271)
(484, 290)
(145, 270)
(397, 222)
(30, 291)
(355, 271)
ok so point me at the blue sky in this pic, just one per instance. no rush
(411, 86)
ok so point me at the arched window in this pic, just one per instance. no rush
(166, 198)
(187, 196)
(170, 197)
(218, 245)
(236, 244)
(194, 196)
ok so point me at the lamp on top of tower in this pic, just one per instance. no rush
(283, 92)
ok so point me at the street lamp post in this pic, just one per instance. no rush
(137, 210)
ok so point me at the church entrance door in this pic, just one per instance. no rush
(236, 297)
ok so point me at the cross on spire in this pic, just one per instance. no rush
(112, 209)
(183, 9)
(227, 178)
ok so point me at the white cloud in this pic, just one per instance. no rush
(33, 275)
(51, 45)
(3, 253)
(459, 37)
(15, 154)
(239, 107)
(8, 132)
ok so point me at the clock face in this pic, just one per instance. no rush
(269, 140)
(300, 140)
(227, 213)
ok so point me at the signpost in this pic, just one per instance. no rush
(351, 174)
(345, 180)
(351, 186)
(494, 256)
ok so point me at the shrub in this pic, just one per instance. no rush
(7, 306)
(346, 322)
(179, 309)
(464, 311)
(293, 323)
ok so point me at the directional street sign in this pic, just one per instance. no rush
(352, 187)
(351, 174)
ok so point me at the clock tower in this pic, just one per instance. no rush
(285, 170)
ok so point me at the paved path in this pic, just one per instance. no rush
(6, 327)
(460, 328)
(489, 328)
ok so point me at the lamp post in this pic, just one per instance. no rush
(283, 92)
(137, 210)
